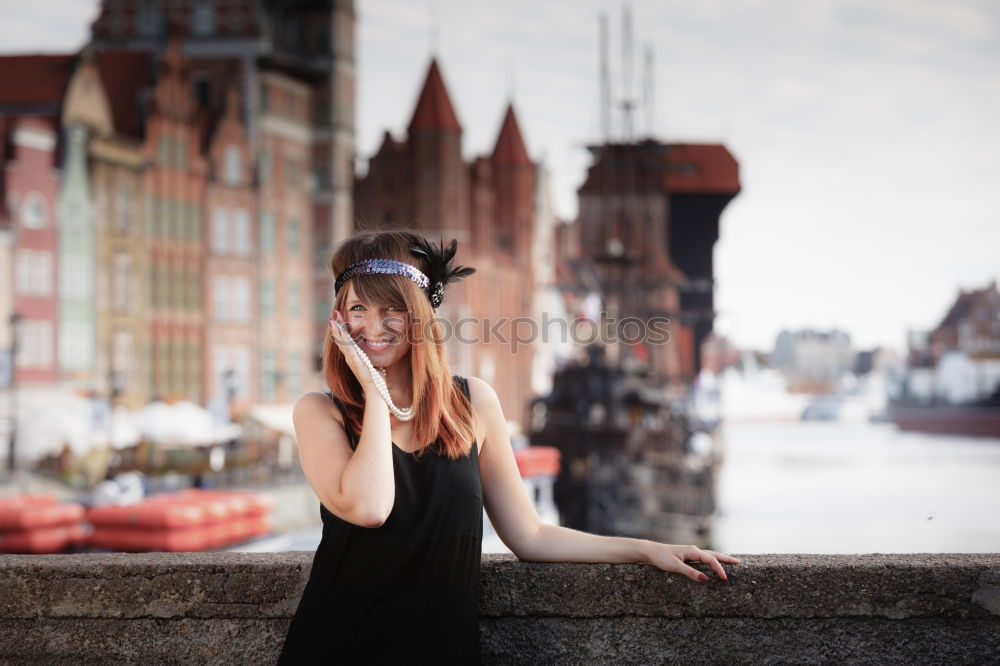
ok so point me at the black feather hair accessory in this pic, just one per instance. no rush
(439, 272)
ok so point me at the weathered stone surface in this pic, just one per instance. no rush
(632, 640)
(234, 608)
(762, 586)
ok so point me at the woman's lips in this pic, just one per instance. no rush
(376, 346)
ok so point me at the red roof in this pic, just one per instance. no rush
(32, 80)
(704, 168)
(677, 168)
(509, 149)
(124, 75)
(434, 109)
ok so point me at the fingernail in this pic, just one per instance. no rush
(702, 577)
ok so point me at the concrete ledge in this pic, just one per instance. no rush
(234, 608)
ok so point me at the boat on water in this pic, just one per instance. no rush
(979, 418)
(636, 461)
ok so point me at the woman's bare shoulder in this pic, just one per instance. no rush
(480, 391)
(316, 405)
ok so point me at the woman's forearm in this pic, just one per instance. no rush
(368, 476)
(553, 543)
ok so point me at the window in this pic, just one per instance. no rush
(265, 97)
(203, 19)
(293, 235)
(163, 151)
(267, 297)
(34, 212)
(149, 22)
(74, 277)
(123, 210)
(123, 282)
(33, 269)
(240, 309)
(123, 359)
(34, 344)
(180, 149)
(220, 294)
(220, 231)
(294, 299)
(264, 167)
(232, 166)
(268, 374)
(75, 345)
(294, 373)
(241, 240)
(291, 172)
(267, 233)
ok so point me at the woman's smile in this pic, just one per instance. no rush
(380, 344)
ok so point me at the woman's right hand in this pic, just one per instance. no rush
(351, 353)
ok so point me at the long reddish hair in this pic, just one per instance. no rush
(442, 410)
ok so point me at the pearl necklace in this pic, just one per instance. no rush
(404, 414)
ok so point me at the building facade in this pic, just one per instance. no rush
(488, 205)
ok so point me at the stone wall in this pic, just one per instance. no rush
(234, 608)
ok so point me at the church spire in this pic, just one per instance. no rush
(510, 149)
(434, 109)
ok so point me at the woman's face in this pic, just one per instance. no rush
(380, 330)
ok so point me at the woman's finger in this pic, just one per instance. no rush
(708, 558)
(691, 572)
(728, 559)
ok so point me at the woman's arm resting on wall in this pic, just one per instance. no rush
(518, 525)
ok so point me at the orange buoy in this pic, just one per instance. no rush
(26, 516)
(537, 461)
(145, 540)
(43, 540)
(149, 515)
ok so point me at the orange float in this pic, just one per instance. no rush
(43, 540)
(537, 461)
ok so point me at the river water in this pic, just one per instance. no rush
(856, 487)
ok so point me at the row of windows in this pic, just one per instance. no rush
(292, 173)
(33, 272)
(174, 367)
(268, 306)
(174, 220)
(34, 344)
(268, 234)
(172, 153)
(173, 288)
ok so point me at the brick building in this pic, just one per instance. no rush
(29, 180)
(489, 205)
(291, 63)
(186, 174)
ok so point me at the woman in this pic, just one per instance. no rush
(402, 489)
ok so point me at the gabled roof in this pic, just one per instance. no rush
(510, 149)
(125, 75)
(434, 109)
(34, 80)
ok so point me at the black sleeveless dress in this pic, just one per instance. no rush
(408, 591)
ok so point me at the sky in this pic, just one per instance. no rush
(866, 132)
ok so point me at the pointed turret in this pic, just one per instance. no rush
(509, 149)
(434, 109)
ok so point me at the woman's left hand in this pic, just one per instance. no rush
(672, 558)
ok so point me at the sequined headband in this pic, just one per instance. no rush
(385, 266)
(438, 258)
